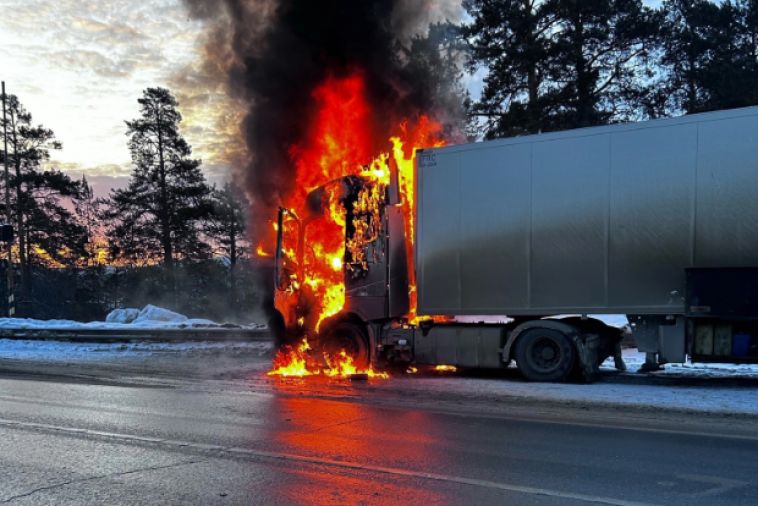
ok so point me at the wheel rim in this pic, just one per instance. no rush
(545, 355)
(348, 339)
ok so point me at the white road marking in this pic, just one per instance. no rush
(722, 484)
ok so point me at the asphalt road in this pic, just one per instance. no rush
(214, 430)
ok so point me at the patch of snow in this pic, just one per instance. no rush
(709, 388)
(122, 315)
(150, 317)
(152, 313)
(612, 320)
(224, 260)
(64, 351)
(482, 319)
(634, 360)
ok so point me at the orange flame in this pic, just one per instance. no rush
(298, 362)
(445, 368)
(292, 361)
(341, 141)
(261, 252)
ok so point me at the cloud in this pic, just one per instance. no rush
(80, 67)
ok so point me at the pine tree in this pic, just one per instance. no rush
(746, 13)
(600, 57)
(226, 226)
(227, 230)
(53, 233)
(710, 55)
(158, 215)
(511, 39)
(692, 34)
(48, 232)
(88, 210)
(559, 64)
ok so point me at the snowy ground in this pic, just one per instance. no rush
(148, 318)
(722, 389)
(64, 351)
(634, 360)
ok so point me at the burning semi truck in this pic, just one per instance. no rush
(463, 254)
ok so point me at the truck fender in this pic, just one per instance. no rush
(586, 345)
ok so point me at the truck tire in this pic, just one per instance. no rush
(545, 355)
(350, 337)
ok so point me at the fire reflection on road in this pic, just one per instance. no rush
(348, 432)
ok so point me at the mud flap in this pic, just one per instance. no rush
(587, 348)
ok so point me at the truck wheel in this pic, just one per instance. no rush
(545, 355)
(349, 337)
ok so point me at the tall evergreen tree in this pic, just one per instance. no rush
(710, 54)
(693, 35)
(158, 215)
(557, 64)
(227, 224)
(48, 232)
(88, 211)
(53, 233)
(511, 39)
(599, 56)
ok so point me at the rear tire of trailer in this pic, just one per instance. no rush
(350, 337)
(545, 355)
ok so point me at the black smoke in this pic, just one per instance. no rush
(277, 51)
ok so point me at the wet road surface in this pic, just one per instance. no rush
(155, 433)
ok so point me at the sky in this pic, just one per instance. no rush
(80, 66)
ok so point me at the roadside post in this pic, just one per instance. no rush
(6, 230)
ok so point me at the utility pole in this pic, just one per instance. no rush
(8, 216)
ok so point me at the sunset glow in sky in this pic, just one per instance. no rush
(79, 68)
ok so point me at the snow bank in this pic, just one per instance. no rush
(159, 314)
(149, 317)
(64, 351)
(634, 360)
(122, 315)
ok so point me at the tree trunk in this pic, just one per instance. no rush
(532, 82)
(25, 290)
(233, 258)
(168, 253)
(691, 105)
(584, 102)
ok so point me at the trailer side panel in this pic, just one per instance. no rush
(599, 220)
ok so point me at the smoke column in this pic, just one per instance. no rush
(278, 51)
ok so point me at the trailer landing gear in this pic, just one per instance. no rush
(651, 363)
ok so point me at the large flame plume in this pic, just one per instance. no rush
(335, 88)
(339, 144)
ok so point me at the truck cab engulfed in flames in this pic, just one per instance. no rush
(324, 295)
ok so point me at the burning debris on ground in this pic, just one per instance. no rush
(301, 360)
